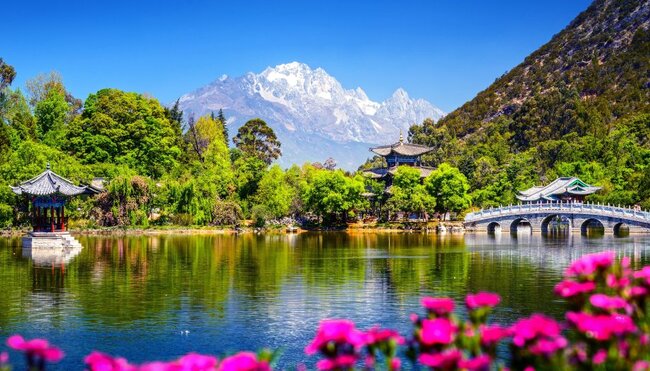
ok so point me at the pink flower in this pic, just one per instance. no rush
(638, 291)
(602, 326)
(37, 347)
(414, 318)
(641, 366)
(600, 357)
(439, 306)
(437, 331)
(97, 361)
(548, 346)
(491, 335)
(643, 274)
(196, 362)
(345, 361)
(567, 289)
(445, 360)
(377, 335)
(537, 326)
(336, 331)
(607, 302)
(395, 364)
(4, 358)
(588, 264)
(481, 362)
(482, 299)
(157, 366)
(243, 361)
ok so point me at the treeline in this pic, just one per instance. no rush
(158, 167)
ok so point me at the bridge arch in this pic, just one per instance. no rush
(514, 226)
(556, 223)
(593, 224)
(621, 229)
(493, 227)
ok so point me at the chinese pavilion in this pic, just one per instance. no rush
(566, 189)
(398, 154)
(48, 193)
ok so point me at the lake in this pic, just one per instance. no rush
(158, 297)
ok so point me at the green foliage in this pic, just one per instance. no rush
(256, 139)
(274, 193)
(331, 195)
(51, 114)
(408, 192)
(449, 187)
(124, 128)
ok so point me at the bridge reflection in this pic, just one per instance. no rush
(554, 252)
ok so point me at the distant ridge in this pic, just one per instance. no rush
(313, 115)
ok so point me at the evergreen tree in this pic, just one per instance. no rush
(224, 123)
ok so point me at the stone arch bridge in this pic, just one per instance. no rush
(576, 216)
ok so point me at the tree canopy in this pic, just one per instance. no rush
(256, 138)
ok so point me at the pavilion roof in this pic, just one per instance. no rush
(560, 186)
(401, 148)
(48, 183)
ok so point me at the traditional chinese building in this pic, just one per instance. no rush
(565, 189)
(396, 155)
(48, 194)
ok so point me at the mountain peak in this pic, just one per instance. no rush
(400, 94)
(308, 108)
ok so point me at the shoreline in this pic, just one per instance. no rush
(353, 228)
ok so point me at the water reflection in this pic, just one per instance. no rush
(136, 296)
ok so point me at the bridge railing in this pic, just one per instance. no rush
(570, 207)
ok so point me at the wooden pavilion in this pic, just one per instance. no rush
(48, 193)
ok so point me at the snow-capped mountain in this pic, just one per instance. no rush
(312, 114)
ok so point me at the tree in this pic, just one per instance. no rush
(175, 117)
(408, 193)
(449, 187)
(51, 114)
(331, 195)
(124, 128)
(39, 88)
(202, 133)
(274, 193)
(224, 123)
(7, 74)
(256, 138)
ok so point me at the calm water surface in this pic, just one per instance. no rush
(158, 297)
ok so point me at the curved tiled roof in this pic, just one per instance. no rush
(48, 183)
(560, 186)
(401, 148)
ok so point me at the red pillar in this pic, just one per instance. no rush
(63, 218)
(52, 218)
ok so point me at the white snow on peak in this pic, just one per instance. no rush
(299, 102)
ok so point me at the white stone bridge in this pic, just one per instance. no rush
(577, 216)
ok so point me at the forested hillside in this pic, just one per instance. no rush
(579, 105)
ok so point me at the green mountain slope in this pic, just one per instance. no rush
(579, 105)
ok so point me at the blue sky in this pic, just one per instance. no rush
(443, 51)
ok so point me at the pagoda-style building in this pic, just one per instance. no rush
(396, 155)
(565, 189)
(48, 193)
